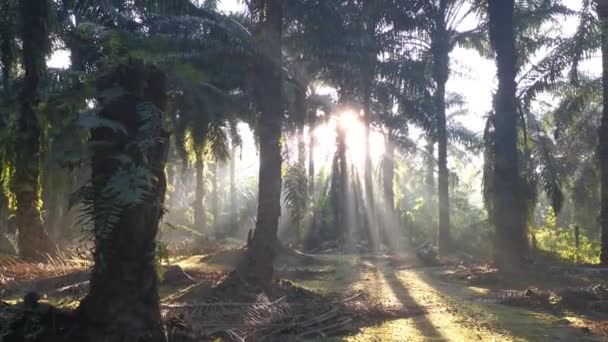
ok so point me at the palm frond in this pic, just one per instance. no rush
(295, 192)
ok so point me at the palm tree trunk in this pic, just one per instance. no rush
(33, 242)
(369, 218)
(429, 178)
(215, 199)
(233, 198)
(123, 302)
(602, 9)
(311, 151)
(199, 195)
(511, 246)
(257, 265)
(370, 9)
(388, 175)
(7, 42)
(301, 148)
(441, 71)
(444, 237)
(388, 221)
(338, 186)
(367, 112)
(301, 120)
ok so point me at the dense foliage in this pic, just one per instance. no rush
(324, 125)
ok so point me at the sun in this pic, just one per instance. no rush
(353, 125)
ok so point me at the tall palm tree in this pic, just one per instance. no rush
(509, 211)
(602, 11)
(33, 241)
(257, 267)
(438, 34)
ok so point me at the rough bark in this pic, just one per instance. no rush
(367, 119)
(370, 9)
(338, 186)
(602, 9)
(440, 48)
(388, 175)
(511, 246)
(199, 193)
(233, 197)
(301, 120)
(32, 240)
(429, 178)
(389, 219)
(7, 38)
(215, 200)
(444, 237)
(311, 151)
(123, 302)
(369, 217)
(257, 265)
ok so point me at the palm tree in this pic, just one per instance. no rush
(602, 11)
(257, 266)
(200, 221)
(235, 145)
(33, 241)
(509, 211)
(8, 25)
(436, 36)
(126, 218)
(218, 149)
(539, 165)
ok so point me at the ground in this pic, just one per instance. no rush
(361, 298)
(451, 310)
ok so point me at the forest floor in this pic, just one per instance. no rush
(393, 298)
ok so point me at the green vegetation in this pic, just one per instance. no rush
(185, 153)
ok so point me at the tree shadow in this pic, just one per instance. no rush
(422, 323)
(516, 322)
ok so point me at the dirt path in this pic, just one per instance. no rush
(453, 312)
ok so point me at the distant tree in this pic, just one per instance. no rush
(438, 33)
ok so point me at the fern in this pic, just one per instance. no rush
(101, 205)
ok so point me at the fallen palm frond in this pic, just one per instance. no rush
(18, 274)
(297, 315)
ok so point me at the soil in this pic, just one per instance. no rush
(358, 298)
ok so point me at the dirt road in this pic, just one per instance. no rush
(452, 311)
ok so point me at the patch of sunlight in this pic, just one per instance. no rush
(192, 262)
(12, 301)
(172, 294)
(393, 331)
(67, 303)
(449, 314)
(479, 290)
(338, 276)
